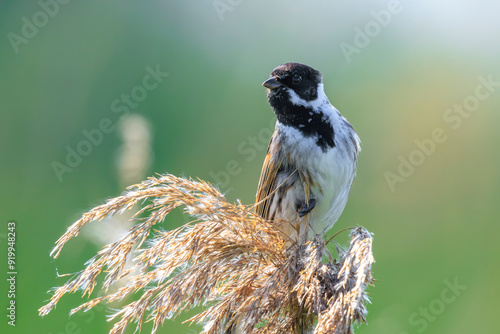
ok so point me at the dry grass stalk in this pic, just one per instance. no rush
(230, 260)
(133, 159)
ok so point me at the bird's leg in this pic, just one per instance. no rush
(304, 208)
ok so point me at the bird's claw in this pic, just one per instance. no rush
(304, 208)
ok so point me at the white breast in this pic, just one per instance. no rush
(332, 170)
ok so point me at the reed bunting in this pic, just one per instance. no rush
(311, 160)
(312, 157)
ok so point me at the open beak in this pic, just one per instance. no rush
(271, 83)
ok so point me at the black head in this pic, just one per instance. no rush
(302, 79)
(295, 111)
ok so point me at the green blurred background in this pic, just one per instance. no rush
(435, 226)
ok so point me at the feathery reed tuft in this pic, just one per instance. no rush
(235, 264)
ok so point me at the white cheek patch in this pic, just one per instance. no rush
(295, 99)
(315, 104)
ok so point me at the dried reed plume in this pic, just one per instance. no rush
(235, 264)
(133, 159)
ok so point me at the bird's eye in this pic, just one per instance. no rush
(296, 79)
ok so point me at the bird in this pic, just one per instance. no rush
(311, 160)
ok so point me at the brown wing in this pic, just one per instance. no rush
(267, 181)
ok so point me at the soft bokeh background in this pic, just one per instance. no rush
(438, 227)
